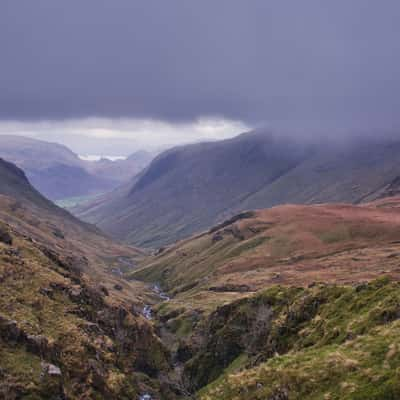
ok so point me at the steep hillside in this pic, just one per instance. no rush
(24, 208)
(14, 183)
(188, 189)
(70, 326)
(68, 334)
(58, 173)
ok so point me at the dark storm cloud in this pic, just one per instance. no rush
(321, 62)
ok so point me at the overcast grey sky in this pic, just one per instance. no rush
(302, 64)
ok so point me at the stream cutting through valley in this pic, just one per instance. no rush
(147, 309)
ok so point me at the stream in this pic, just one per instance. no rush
(148, 314)
(147, 309)
(163, 296)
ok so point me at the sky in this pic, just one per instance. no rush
(113, 75)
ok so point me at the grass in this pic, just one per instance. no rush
(297, 245)
(347, 348)
(248, 245)
(79, 333)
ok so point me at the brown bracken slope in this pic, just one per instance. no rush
(289, 245)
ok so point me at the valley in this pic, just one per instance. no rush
(289, 302)
(61, 175)
(199, 200)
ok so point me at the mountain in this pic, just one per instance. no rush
(21, 199)
(70, 326)
(58, 173)
(35, 154)
(292, 302)
(121, 170)
(189, 188)
(15, 184)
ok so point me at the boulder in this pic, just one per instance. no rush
(50, 369)
(9, 330)
(37, 344)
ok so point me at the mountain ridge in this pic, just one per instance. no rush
(189, 188)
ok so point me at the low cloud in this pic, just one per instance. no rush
(300, 64)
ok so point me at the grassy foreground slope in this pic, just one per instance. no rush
(326, 343)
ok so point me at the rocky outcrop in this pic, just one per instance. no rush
(5, 236)
(258, 326)
(230, 288)
(73, 265)
(230, 221)
(12, 332)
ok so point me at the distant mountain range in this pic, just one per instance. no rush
(59, 173)
(189, 188)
